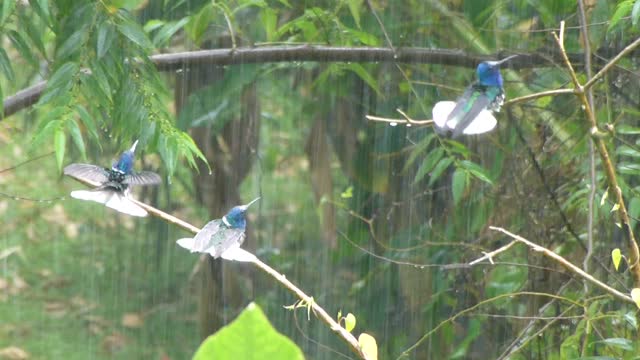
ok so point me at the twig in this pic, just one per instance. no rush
(320, 313)
(602, 149)
(564, 262)
(538, 95)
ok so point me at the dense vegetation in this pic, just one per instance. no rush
(371, 219)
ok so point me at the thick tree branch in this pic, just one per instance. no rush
(317, 53)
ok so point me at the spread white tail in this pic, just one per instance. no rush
(484, 122)
(112, 199)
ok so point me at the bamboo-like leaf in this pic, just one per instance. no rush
(60, 81)
(133, 31)
(76, 136)
(458, 184)
(477, 171)
(5, 65)
(59, 145)
(198, 23)
(6, 9)
(106, 35)
(87, 120)
(21, 45)
(73, 43)
(354, 8)
(439, 169)
(167, 31)
(428, 163)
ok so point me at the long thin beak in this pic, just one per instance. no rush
(133, 148)
(500, 62)
(245, 207)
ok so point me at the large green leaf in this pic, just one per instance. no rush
(249, 336)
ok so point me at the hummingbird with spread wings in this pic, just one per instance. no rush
(472, 113)
(222, 237)
(113, 184)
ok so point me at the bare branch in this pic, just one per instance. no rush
(564, 262)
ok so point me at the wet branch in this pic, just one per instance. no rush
(307, 52)
(557, 258)
(317, 310)
(614, 188)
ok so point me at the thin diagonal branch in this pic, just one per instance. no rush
(319, 312)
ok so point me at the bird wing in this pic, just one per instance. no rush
(472, 102)
(224, 240)
(87, 172)
(142, 178)
(202, 239)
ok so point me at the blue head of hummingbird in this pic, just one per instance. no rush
(112, 185)
(472, 113)
(221, 237)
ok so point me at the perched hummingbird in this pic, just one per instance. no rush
(472, 113)
(113, 184)
(222, 237)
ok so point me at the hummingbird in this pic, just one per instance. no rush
(222, 237)
(113, 185)
(472, 113)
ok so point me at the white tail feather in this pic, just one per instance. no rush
(441, 112)
(238, 254)
(186, 243)
(111, 199)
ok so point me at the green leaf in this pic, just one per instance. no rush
(21, 45)
(87, 120)
(439, 169)
(1, 103)
(198, 24)
(41, 7)
(167, 31)
(354, 8)
(6, 10)
(269, 19)
(59, 144)
(477, 171)
(5, 65)
(627, 129)
(132, 31)
(629, 168)
(349, 322)
(72, 44)
(76, 136)
(249, 336)
(420, 148)
(626, 150)
(620, 343)
(428, 163)
(363, 74)
(616, 256)
(60, 82)
(622, 10)
(635, 13)
(458, 184)
(106, 35)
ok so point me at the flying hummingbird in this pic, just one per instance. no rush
(113, 185)
(472, 113)
(222, 237)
